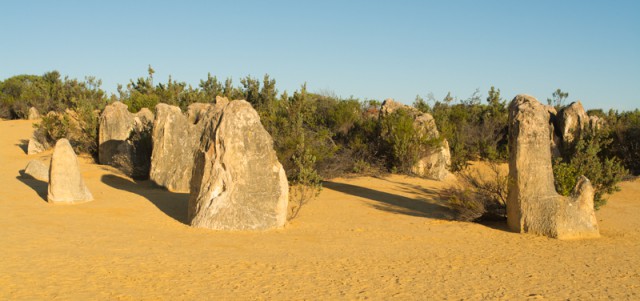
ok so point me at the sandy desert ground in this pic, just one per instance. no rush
(362, 238)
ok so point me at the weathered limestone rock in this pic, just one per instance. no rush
(37, 170)
(238, 183)
(125, 139)
(33, 114)
(434, 162)
(65, 181)
(175, 140)
(571, 121)
(533, 205)
(36, 146)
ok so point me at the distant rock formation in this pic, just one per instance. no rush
(37, 170)
(66, 185)
(434, 162)
(533, 205)
(238, 182)
(125, 139)
(571, 122)
(33, 114)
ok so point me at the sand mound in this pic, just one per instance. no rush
(362, 238)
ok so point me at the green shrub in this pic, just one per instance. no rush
(479, 197)
(588, 158)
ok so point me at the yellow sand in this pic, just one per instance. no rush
(362, 238)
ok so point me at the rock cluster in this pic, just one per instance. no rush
(434, 162)
(66, 185)
(125, 139)
(238, 182)
(533, 205)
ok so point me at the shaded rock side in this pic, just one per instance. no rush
(125, 139)
(238, 182)
(533, 205)
(66, 185)
(175, 140)
(37, 170)
(434, 162)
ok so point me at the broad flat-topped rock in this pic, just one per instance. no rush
(533, 205)
(238, 182)
(66, 185)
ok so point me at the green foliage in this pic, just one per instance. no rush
(558, 100)
(473, 130)
(589, 159)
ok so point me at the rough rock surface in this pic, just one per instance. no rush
(36, 146)
(175, 140)
(571, 121)
(434, 162)
(238, 182)
(66, 185)
(125, 139)
(533, 205)
(33, 114)
(37, 170)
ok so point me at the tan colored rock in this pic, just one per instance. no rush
(66, 185)
(37, 170)
(175, 140)
(33, 114)
(434, 162)
(533, 205)
(35, 146)
(238, 183)
(571, 120)
(125, 139)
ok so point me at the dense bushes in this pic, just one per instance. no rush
(589, 157)
(320, 136)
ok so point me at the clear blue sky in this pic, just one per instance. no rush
(368, 49)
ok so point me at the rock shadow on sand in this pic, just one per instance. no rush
(40, 187)
(24, 145)
(170, 203)
(427, 206)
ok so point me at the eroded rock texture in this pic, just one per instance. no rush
(125, 139)
(66, 185)
(533, 205)
(572, 120)
(176, 136)
(238, 182)
(434, 162)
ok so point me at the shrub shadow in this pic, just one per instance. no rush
(428, 206)
(24, 145)
(170, 203)
(40, 187)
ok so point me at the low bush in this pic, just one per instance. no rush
(590, 159)
(479, 196)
